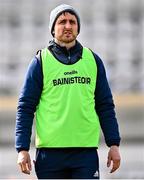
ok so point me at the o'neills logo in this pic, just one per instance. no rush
(71, 80)
(71, 72)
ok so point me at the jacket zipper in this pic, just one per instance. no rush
(69, 58)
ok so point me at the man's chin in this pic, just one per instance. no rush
(69, 40)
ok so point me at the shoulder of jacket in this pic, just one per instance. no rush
(38, 54)
(96, 56)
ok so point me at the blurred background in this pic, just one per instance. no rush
(115, 31)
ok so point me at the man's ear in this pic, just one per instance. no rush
(53, 32)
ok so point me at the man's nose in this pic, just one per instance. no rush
(67, 25)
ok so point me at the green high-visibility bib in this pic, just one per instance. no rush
(65, 115)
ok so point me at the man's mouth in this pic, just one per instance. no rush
(67, 32)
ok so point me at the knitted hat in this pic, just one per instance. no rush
(55, 13)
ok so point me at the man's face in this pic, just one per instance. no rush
(66, 28)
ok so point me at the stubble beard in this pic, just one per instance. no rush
(66, 39)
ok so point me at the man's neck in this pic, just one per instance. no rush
(67, 45)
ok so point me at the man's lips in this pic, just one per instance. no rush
(67, 32)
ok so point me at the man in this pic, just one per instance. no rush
(66, 86)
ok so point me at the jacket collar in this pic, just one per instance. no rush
(58, 49)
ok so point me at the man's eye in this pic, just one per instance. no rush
(72, 22)
(62, 22)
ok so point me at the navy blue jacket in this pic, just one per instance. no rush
(32, 88)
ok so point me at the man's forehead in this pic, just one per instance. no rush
(66, 14)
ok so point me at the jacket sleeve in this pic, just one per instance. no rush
(105, 106)
(28, 100)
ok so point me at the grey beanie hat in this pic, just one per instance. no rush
(57, 11)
